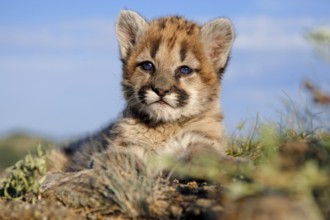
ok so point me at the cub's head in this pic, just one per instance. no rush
(172, 67)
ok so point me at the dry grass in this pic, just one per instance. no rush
(132, 186)
(287, 161)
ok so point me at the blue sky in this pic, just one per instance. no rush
(60, 71)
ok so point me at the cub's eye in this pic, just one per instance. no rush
(185, 70)
(147, 66)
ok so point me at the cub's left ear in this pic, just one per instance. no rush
(129, 27)
(218, 36)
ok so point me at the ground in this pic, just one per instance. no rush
(273, 171)
(272, 174)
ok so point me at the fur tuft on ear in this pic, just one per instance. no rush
(218, 36)
(129, 27)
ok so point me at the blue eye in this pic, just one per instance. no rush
(147, 66)
(185, 70)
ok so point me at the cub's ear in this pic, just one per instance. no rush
(129, 27)
(218, 36)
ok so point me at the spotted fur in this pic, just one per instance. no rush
(171, 81)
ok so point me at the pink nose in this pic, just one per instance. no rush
(160, 92)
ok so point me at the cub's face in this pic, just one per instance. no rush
(172, 67)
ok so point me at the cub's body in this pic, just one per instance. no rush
(172, 70)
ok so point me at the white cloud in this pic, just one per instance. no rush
(91, 34)
(253, 33)
(269, 34)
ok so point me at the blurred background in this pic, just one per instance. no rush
(60, 71)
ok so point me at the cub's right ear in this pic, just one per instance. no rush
(218, 36)
(129, 27)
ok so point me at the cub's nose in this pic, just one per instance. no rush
(159, 91)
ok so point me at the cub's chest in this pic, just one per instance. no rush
(129, 132)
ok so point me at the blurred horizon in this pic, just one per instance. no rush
(60, 70)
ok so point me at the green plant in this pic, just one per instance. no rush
(245, 144)
(24, 176)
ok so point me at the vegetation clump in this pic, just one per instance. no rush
(25, 176)
(273, 170)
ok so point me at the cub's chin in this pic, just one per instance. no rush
(162, 112)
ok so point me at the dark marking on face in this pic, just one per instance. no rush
(171, 41)
(183, 50)
(177, 75)
(162, 24)
(182, 96)
(128, 90)
(210, 98)
(175, 19)
(179, 27)
(154, 47)
(142, 94)
(191, 29)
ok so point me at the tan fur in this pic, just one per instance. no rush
(168, 111)
(57, 161)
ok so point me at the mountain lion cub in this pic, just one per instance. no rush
(172, 70)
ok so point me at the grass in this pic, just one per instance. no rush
(132, 186)
(25, 176)
(290, 159)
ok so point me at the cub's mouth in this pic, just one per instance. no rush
(177, 98)
(158, 106)
(162, 102)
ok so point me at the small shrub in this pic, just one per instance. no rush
(24, 176)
